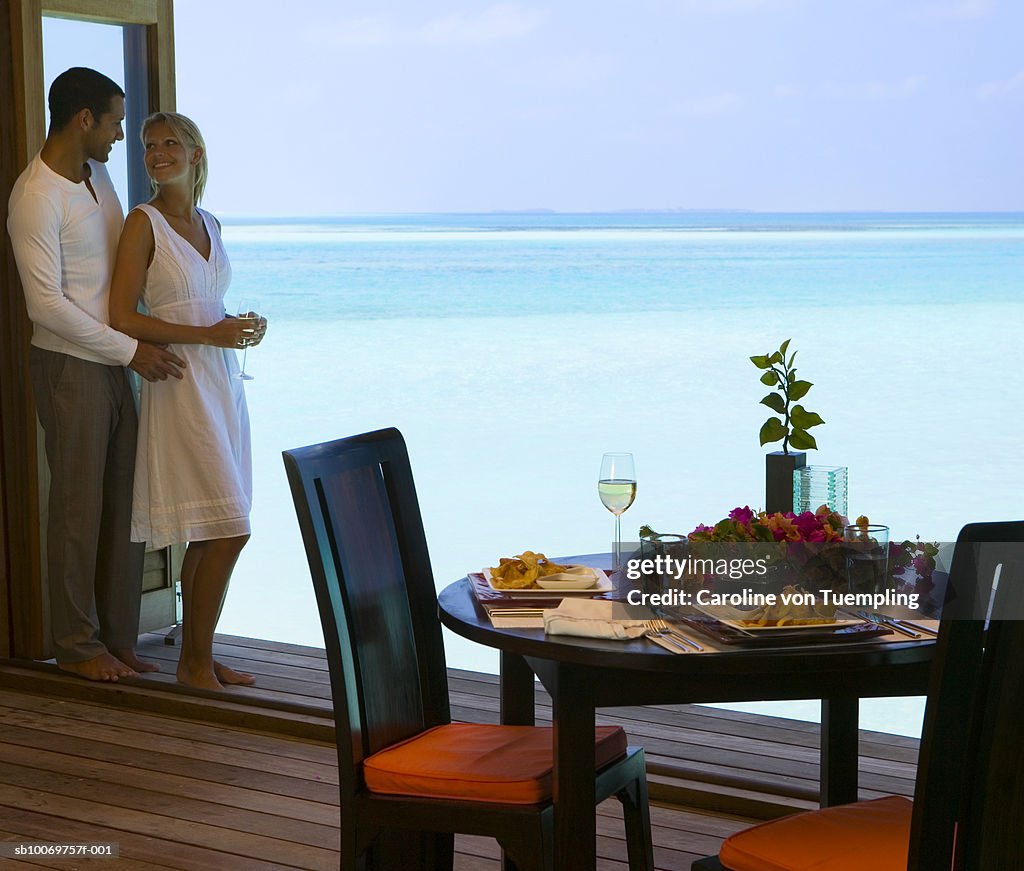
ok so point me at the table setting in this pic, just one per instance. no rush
(817, 568)
(602, 611)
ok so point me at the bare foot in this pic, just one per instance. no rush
(102, 667)
(128, 657)
(201, 678)
(230, 676)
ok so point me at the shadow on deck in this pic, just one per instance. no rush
(247, 778)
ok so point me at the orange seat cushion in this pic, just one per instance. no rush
(505, 764)
(871, 835)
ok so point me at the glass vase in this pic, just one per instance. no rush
(814, 486)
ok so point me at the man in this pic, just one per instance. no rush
(65, 220)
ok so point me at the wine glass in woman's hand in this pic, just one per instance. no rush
(252, 336)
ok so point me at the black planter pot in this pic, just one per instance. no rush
(778, 479)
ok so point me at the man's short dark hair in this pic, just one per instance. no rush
(80, 88)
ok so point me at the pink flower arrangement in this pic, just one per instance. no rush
(743, 525)
(911, 561)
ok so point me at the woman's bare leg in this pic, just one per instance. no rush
(204, 583)
(189, 564)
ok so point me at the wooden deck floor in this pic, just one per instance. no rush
(247, 779)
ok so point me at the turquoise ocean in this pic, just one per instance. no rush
(512, 350)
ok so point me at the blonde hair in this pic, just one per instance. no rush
(186, 131)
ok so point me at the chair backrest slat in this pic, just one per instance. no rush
(376, 603)
(993, 829)
(363, 533)
(966, 745)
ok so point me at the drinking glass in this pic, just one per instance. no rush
(244, 314)
(867, 558)
(616, 487)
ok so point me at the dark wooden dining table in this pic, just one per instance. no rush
(583, 674)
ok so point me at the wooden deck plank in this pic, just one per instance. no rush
(93, 863)
(69, 783)
(308, 680)
(318, 752)
(144, 760)
(158, 850)
(213, 837)
(172, 784)
(261, 644)
(230, 708)
(70, 727)
(254, 648)
(274, 691)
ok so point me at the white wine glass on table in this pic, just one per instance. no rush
(616, 487)
(252, 319)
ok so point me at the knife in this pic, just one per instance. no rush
(665, 642)
(679, 635)
(889, 622)
(910, 624)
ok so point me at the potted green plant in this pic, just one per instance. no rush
(790, 427)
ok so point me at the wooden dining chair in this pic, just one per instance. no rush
(409, 777)
(968, 808)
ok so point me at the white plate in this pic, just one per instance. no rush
(734, 617)
(598, 582)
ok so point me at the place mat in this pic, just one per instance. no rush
(501, 621)
(824, 634)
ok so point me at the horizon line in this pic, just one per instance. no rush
(556, 212)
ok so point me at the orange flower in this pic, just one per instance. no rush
(782, 527)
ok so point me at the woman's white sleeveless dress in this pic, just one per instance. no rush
(193, 467)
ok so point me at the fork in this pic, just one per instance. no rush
(663, 639)
(660, 626)
(660, 631)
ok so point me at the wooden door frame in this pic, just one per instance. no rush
(149, 72)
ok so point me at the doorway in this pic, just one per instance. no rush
(133, 44)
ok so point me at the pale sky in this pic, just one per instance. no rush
(771, 105)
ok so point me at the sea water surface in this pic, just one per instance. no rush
(512, 350)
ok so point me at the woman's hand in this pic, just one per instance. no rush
(232, 333)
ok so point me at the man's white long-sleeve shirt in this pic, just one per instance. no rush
(65, 243)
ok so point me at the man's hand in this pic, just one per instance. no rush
(155, 362)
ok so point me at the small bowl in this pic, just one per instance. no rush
(575, 578)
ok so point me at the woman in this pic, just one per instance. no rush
(193, 472)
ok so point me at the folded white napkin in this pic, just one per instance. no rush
(592, 618)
